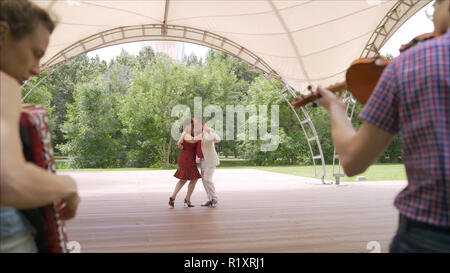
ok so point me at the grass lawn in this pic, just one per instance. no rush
(61, 166)
(376, 172)
(229, 157)
(105, 170)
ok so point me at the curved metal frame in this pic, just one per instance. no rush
(349, 102)
(395, 17)
(33, 86)
(158, 32)
(302, 123)
(184, 34)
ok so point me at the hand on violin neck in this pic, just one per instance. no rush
(329, 99)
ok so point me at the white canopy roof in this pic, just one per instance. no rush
(300, 42)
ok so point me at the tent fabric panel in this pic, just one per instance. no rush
(301, 41)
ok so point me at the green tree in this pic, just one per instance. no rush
(120, 71)
(146, 109)
(41, 95)
(145, 57)
(92, 130)
(62, 83)
(292, 145)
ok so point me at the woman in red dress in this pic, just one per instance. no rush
(187, 168)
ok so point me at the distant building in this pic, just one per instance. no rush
(173, 49)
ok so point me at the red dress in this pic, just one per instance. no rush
(187, 169)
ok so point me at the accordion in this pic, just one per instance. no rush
(37, 148)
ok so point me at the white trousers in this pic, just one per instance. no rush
(207, 174)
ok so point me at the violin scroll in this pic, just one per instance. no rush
(419, 39)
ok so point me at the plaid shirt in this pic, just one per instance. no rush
(412, 97)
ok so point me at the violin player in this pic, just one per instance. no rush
(412, 98)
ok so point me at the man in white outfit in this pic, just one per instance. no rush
(208, 159)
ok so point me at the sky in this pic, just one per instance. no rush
(110, 52)
(416, 25)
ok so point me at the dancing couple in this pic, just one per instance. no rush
(197, 140)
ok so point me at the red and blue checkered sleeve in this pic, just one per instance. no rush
(381, 109)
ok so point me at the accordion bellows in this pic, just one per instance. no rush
(37, 148)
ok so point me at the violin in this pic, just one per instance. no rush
(362, 76)
(361, 79)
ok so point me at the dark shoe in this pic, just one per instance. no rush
(188, 204)
(171, 202)
(206, 204)
(214, 203)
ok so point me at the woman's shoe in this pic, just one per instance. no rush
(188, 204)
(171, 202)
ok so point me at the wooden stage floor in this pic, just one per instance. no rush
(127, 211)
